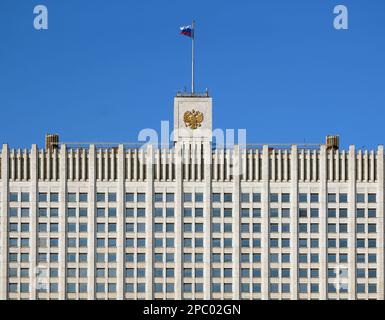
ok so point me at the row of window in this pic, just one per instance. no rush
(197, 212)
(303, 288)
(188, 197)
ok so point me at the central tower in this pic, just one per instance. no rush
(192, 118)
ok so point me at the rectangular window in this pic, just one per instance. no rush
(371, 197)
(25, 197)
(187, 197)
(129, 197)
(314, 197)
(54, 197)
(216, 197)
(158, 197)
(112, 197)
(199, 197)
(100, 197)
(13, 197)
(42, 197)
(285, 197)
(228, 197)
(83, 197)
(71, 197)
(343, 198)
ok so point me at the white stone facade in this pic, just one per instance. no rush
(192, 222)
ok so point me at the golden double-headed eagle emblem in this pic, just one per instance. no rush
(193, 119)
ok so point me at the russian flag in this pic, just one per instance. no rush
(187, 31)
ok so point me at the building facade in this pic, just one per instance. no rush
(193, 221)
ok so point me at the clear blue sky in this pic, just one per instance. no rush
(104, 70)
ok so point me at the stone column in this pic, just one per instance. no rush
(294, 222)
(149, 221)
(323, 218)
(178, 220)
(120, 245)
(33, 265)
(352, 223)
(207, 219)
(62, 221)
(265, 223)
(237, 171)
(91, 221)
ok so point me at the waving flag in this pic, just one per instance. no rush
(187, 31)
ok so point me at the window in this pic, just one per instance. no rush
(54, 197)
(141, 197)
(360, 213)
(100, 197)
(371, 213)
(187, 197)
(71, 197)
(274, 197)
(314, 213)
(227, 213)
(256, 197)
(314, 197)
(285, 213)
(198, 212)
(302, 198)
(332, 213)
(360, 197)
(371, 197)
(332, 197)
(83, 197)
(302, 212)
(199, 197)
(112, 197)
(100, 212)
(245, 197)
(216, 197)
(169, 197)
(343, 197)
(129, 197)
(141, 212)
(25, 197)
(228, 197)
(54, 212)
(285, 197)
(112, 212)
(13, 197)
(42, 197)
(343, 213)
(187, 212)
(158, 197)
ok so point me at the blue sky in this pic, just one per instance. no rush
(104, 70)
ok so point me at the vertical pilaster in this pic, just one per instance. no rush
(91, 220)
(207, 158)
(149, 221)
(4, 222)
(380, 221)
(323, 221)
(294, 218)
(33, 272)
(62, 221)
(178, 219)
(237, 171)
(120, 223)
(352, 223)
(265, 224)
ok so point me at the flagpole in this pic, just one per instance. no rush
(193, 57)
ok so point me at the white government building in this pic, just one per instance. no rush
(194, 221)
